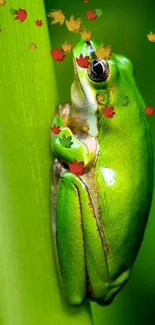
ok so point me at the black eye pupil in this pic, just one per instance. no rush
(98, 70)
(97, 67)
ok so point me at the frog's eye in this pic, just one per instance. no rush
(98, 70)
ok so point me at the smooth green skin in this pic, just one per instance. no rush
(124, 175)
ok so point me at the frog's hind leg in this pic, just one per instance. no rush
(70, 242)
(80, 250)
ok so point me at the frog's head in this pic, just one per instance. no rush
(113, 78)
(88, 81)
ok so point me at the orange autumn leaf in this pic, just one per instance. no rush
(58, 55)
(2, 2)
(112, 89)
(77, 168)
(74, 25)
(151, 37)
(100, 97)
(85, 128)
(67, 47)
(108, 111)
(83, 61)
(86, 35)
(32, 46)
(104, 52)
(149, 110)
(57, 15)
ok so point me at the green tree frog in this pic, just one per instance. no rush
(100, 214)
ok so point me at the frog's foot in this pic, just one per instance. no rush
(68, 147)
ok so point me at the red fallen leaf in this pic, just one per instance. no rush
(57, 54)
(21, 15)
(91, 14)
(149, 110)
(77, 167)
(85, 1)
(83, 61)
(55, 129)
(108, 111)
(38, 22)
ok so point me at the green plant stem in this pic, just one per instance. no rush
(29, 292)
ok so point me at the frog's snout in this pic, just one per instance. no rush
(91, 49)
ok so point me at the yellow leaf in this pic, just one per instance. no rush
(32, 46)
(57, 15)
(151, 37)
(112, 89)
(100, 97)
(85, 128)
(67, 47)
(86, 35)
(2, 2)
(74, 25)
(104, 52)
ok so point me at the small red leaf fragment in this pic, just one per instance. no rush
(149, 110)
(85, 1)
(83, 61)
(55, 129)
(91, 14)
(21, 15)
(108, 111)
(38, 22)
(77, 168)
(57, 54)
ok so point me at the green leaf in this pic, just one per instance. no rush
(124, 101)
(66, 141)
(12, 11)
(98, 12)
(29, 289)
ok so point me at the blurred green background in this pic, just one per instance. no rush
(125, 26)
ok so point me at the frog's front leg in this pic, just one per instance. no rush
(77, 150)
(62, 112)
(82, 147)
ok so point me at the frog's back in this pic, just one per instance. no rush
(124, 174)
